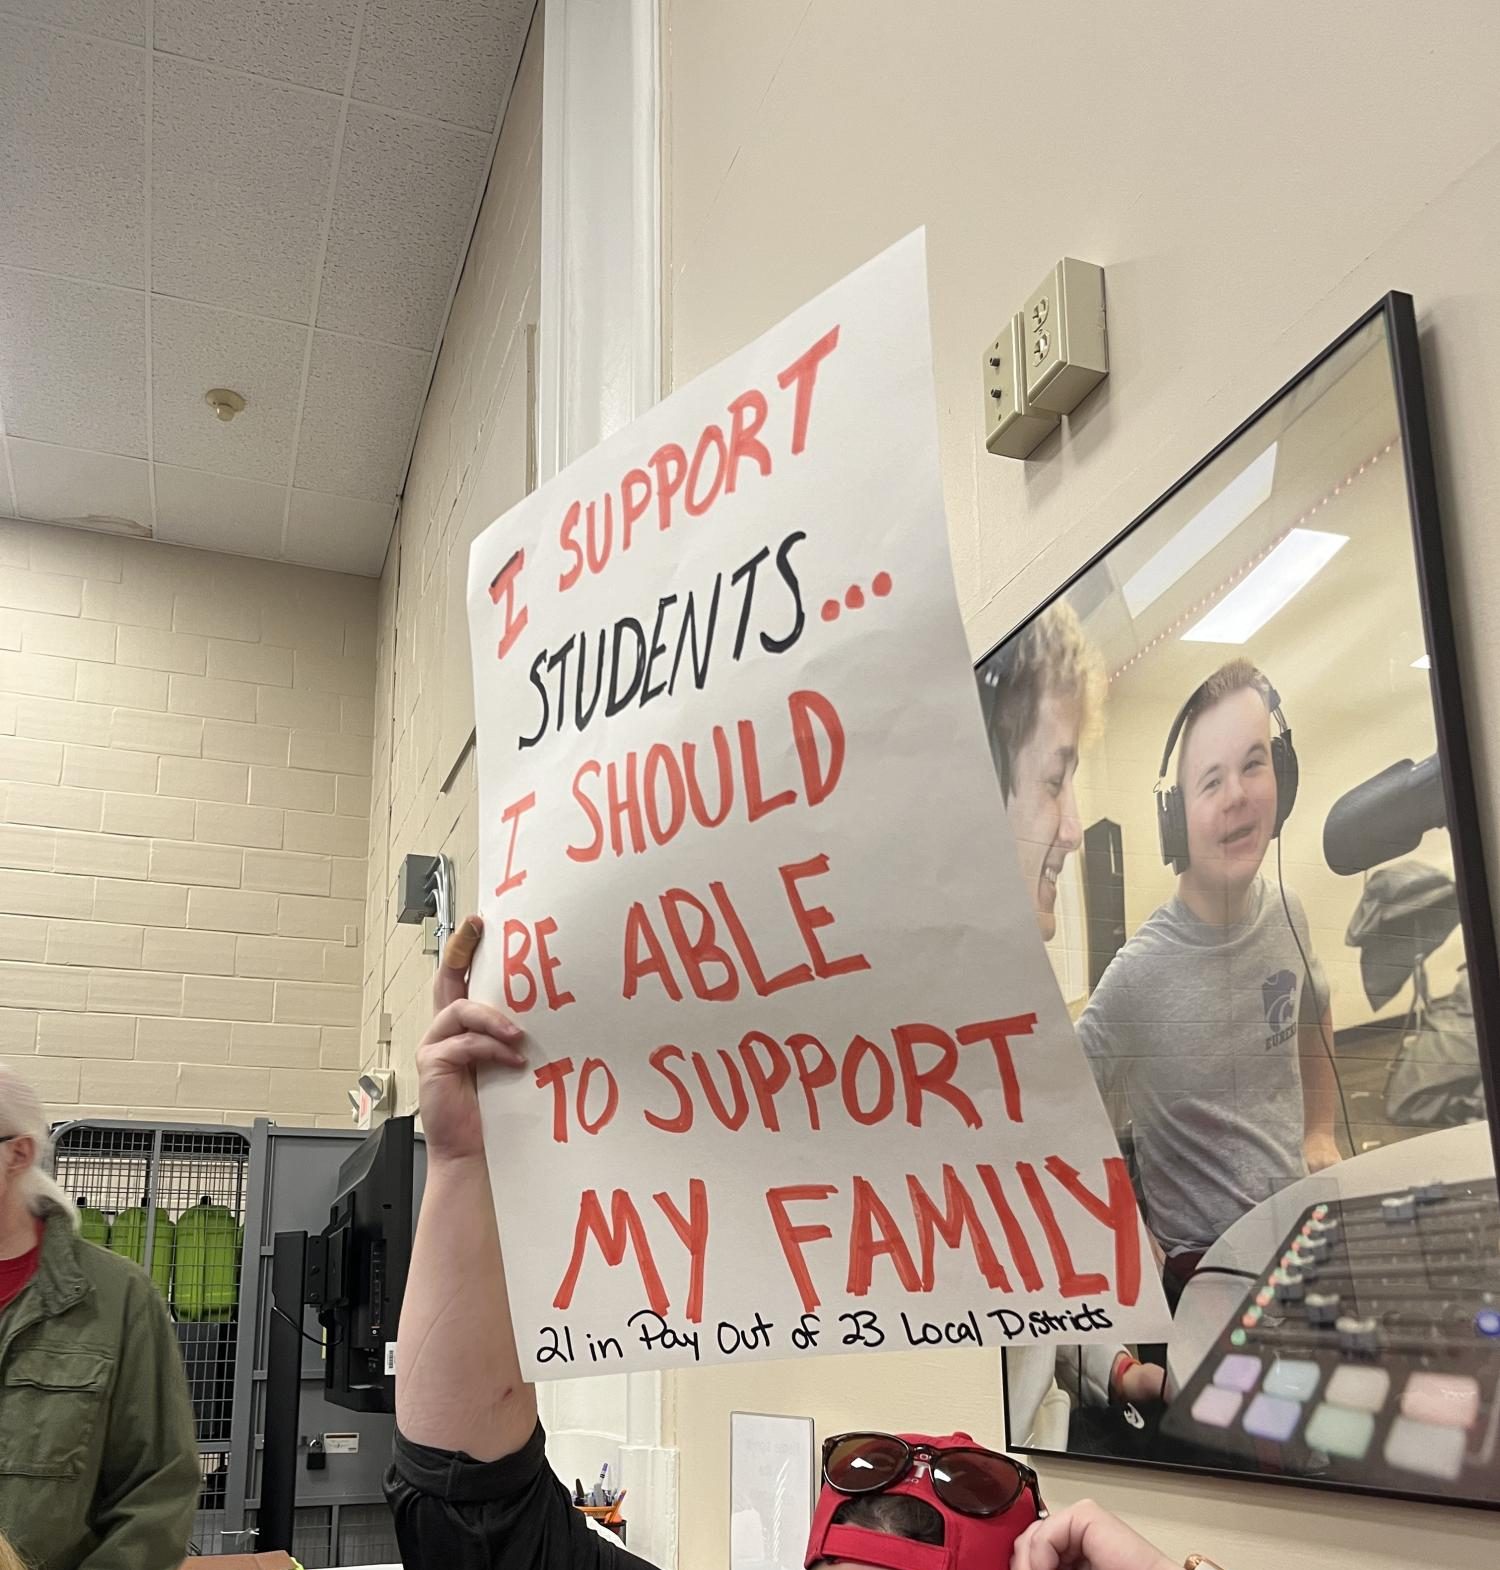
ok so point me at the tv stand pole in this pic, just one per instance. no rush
(282, 1415)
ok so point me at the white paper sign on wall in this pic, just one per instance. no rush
(801, 1078)
(772, 1490)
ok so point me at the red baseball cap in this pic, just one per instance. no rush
(969, 1542)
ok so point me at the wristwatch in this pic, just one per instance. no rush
(1200, 1562)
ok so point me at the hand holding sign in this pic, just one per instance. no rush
(801, 1078)
(464, 1037)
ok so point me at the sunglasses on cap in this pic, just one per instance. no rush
(966, 1478)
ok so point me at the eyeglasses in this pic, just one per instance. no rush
(967, 1478)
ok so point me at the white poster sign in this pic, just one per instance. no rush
(802, 1080)
(772, 1490)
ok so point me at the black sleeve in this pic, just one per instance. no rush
(455, 1513)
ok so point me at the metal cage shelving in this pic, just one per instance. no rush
(172, 1198)
(196, 1206)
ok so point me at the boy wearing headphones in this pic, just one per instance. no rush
(1213, 1020)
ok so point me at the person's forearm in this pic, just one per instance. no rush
(1320, 1087)
(458, 1376)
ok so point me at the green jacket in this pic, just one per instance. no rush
(98, 1459)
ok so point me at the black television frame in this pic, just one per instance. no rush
(357, 1269)
(331, 1273)
(1464, 825)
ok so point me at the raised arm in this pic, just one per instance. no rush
(458, 1378)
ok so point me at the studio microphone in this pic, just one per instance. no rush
(1385, 817)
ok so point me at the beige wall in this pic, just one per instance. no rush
(469, 466)
(1252, 178)
(184, 803)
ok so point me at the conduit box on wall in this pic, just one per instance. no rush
(416, 889)
(1049, 357)
(1067, 352)
(1011, 427)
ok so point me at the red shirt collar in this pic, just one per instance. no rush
(16, 1273)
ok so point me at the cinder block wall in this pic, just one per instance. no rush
(467, 468)
(185, 746)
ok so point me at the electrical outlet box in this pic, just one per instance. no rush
(416, 889)
(1066, 349)
(1011, 427)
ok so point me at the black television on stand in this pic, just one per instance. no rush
(353, 1275)
(356, 1271)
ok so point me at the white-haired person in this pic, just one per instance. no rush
(98, 1459)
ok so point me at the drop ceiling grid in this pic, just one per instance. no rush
(322, 256)
(400, 300)
(458, 266)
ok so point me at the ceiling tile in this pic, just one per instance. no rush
(216, 513)
(292, 40)
(339, 532)
(65, 484)
(452, 59)
(72, 177)
(401, 216)
(121, 19)
(73, 367)
(239, 186)
(357, 422)
(195, 347)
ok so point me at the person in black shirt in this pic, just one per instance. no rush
(469, 1482)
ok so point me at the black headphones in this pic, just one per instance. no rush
(1171, 811)
(989, 706)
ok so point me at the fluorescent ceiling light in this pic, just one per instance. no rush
(1256, 598)
(1422, 664)
(1205, 529)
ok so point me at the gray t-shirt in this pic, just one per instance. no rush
(1192, 1034)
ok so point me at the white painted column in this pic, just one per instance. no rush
(599, 357)
(600, 323)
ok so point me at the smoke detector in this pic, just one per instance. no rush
(224, 401)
